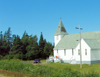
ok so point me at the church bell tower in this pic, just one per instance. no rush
(60, 33)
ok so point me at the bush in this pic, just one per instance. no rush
(92, 74)
(10, 57)
(5, 57)
(1, 57)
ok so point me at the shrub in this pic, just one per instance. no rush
(92, 74)
(1, 57)
(10, 57)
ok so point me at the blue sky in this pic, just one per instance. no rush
(36, 16)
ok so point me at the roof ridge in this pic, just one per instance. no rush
(89, 39)
(84, 32)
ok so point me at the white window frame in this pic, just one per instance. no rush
(78, 51)
(72, 52)
(57, 50)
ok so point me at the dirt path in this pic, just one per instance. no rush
(3, 76)
(5, 73)
(42, 63)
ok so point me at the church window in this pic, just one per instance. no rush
(72, 52)
(64, 52)
(85, 51)
(78, 51)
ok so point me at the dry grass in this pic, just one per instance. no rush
(14, 74)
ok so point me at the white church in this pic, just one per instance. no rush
(67, 46)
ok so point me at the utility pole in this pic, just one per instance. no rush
(80, 45)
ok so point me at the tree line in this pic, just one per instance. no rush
(26, 48)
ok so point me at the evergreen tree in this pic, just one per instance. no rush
(32, 48)
(8, 37)
(41, 46)
(5, 44)
(25, 34)
(1, 44)
(26, 48)
(48, 49)
(17, 48)
(24, 41)
(4, 47)
(1, 36)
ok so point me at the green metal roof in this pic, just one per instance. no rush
(72, 40)
(61, 29)
(93, 44)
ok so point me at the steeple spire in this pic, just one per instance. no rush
(61, 29)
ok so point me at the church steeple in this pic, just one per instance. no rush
(61, 29)
(60, 33)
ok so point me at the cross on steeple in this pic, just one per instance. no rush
(60, 18)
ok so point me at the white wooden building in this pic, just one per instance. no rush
(67, 46)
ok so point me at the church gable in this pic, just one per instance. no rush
(92, 43)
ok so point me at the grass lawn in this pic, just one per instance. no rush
(85, 67)
(22, 68)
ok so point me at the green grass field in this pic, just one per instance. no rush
(85, 67)
(49, 69)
